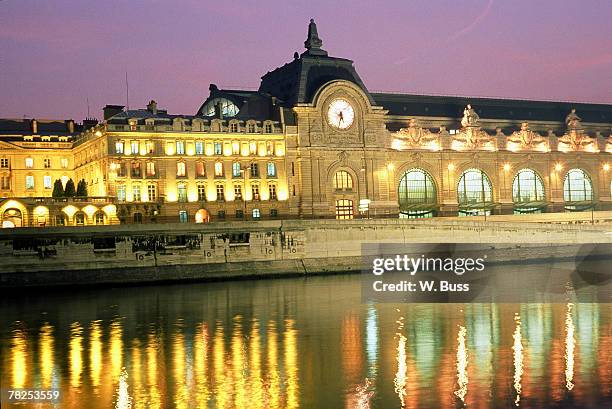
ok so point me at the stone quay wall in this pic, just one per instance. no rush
(219, 251)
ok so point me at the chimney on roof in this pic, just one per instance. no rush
(89, 123)
(112, 110)
(34, 126)
(152, 107)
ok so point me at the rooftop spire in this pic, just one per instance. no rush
(313, 43)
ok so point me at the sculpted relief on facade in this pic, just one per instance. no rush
(526, 140)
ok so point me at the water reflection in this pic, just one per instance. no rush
(271, 346)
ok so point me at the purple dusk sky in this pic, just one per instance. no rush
(56, 54)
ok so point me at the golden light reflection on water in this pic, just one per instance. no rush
(570, 345)
(76, 354)
(200, 354)
(517, 349)
(95, 353)
(178, 354)
(19, 354)
(462, 364)
(46, 361)
(242, 362)
(402, 369)
(291, 365)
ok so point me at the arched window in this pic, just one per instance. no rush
(343, 180)
(577, 187)
(228, 108)
(218, 169)
(79, 219)
(344, 209)
(474, 193)
(99, 218)
(528, 192)
(416, 194)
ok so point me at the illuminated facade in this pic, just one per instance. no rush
(313, 142)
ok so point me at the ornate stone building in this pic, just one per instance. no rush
(313, 142)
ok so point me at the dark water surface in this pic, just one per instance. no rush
(301, 343)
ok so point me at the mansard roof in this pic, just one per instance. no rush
(25, 126)
(492, 108)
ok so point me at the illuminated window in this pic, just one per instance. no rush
(527, 187)
(344, 209)
(228, 108)
(199, 148)
(182, 192)
(271, 170)
(181, 169)
(99, 218)
(136, 169)
(152, 192)
(577, 186)
(256, 214)
(255, 192)
(218, 148)
(233, 127)
(119, 147)
(121, 193)
(237, 192)
(416, 194)
(79, 219)
(136, 193)
(150, 169)
(220, 193)
(236, 170)
(200, 169)
(47, 163)
(272, 190)
(343, 180)
(134, 147)
(47, 182)
(29, 163)
(121, 170)
(218, 169)
(5, 182)
(183, 216)
(64, 163)
(270, 148)
(180, 147)
(133, 125)
(29, 183)
(474, 187)
(202, 193)
(235, 148)
(4, 163)
(253, 148)
(150, 145)
(254, 170)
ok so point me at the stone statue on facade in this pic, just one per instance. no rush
(572, 120)
(526, 140)
(470, 117)
(415, 137)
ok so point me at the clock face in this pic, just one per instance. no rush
(340, 114)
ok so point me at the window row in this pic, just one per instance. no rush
(30, 182)
(200, 194)
(252, 170)
(203, 216)
(190, 148)
(29, 163)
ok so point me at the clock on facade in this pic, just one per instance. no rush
(340, 114)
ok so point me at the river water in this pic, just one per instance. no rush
(301, 343)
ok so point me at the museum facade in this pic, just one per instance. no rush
(311, 142)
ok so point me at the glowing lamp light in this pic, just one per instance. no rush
(506, 167)
(606, 167)
(558, 167)
(171, 196)
(451, 167)
(390, 167)
(98, 133)
(282, 194)
(90, 210)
